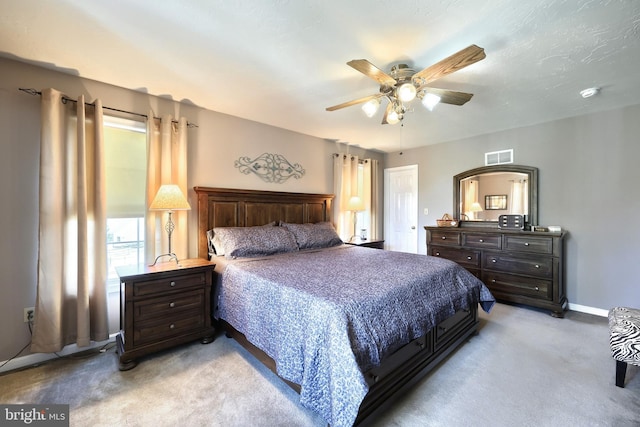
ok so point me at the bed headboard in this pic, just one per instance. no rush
(225, 207)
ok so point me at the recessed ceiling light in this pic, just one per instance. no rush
(586, 93)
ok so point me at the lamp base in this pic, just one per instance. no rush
(172, 257)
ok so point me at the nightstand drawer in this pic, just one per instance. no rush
(166, 327)
(167, 306)
(161, 286)
(533, 266)
(501, 284)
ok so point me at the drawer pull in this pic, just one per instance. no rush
(537, 266)
(420, 344)
(468, 257)
(493, 280)
(537, 289)
(442, 329)
(173, 304)
(481, 240)
(172, 326)
(494, 260)
(526, 244)
(172, 284)
(444, 237)
(437, 253)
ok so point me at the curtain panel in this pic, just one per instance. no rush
(71, 302)
(166, 164)
(371, 197)
(345, 182)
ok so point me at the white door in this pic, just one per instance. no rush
(401, 209)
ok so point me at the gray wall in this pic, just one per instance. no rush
(218, 140)
(589, 174)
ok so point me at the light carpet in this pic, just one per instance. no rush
(525, 368)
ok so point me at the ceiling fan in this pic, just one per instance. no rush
(403, 84)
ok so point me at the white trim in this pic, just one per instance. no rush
(36, 358)
(590, 310)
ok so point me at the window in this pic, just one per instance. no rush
(126, 170)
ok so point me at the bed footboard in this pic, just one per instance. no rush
(399, 371)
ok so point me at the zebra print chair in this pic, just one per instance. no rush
(624, 328)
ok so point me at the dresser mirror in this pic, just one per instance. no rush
(482, 194)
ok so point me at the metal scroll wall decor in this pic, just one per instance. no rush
(270, 168)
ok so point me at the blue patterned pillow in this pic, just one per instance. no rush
(239, 242)
(319, 235)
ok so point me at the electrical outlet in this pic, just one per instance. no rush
(29, 314)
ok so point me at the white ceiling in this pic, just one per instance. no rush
(282, 62)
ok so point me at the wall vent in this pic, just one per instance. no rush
(498, 157)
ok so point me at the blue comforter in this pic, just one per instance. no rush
(326, 316)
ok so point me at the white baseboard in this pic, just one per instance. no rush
(37, 358)
(589, 310)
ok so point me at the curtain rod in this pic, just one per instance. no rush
(65, 99)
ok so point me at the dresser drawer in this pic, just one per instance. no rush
(464, 257)
(167, 306)
(173, 283)
(501, 284)
(532, 266)
(166, 327)
(445, 237)
(533, 244)
(478, 240)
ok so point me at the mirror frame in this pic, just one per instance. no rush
(532, 172)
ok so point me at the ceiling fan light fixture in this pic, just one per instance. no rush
(371, 107)
(406, 92)
(430, 100)
(393, 117)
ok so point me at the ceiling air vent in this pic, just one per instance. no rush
(498, 157)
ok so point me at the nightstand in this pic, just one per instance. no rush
(377, 244)
(162, 306)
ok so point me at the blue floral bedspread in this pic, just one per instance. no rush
(326, 316)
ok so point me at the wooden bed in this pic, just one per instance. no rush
(218, 207)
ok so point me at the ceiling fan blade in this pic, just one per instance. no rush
(370, 70)
(354, 102)
(449, 96)
(455, 62)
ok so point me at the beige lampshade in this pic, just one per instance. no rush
(169, 198)
(475, 207)
(355, 204)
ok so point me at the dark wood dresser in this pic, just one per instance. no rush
(163, 306)
(517, 266)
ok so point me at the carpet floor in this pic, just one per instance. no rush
(525, 368)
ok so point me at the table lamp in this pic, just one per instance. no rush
(169, 198)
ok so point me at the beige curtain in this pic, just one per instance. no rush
(371, 197)
(345, 185)
(71, 303)
(166, 164)
(470, 188)
(519, 197)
